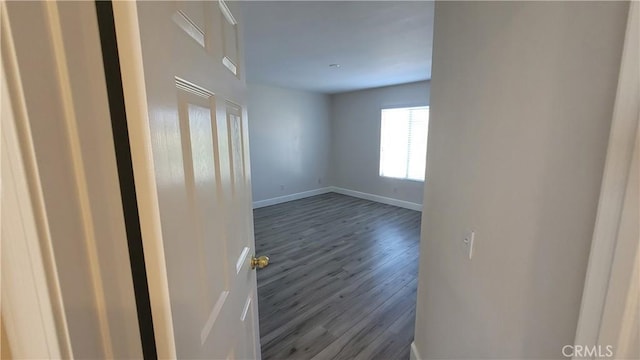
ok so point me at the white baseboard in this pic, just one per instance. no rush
(415, 355)
(291, 197)
(378, 198)
(339, 190)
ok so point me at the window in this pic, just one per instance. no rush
(403, 142)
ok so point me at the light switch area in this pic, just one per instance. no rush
(468, 242)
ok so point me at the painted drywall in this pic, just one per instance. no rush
(521, 104)
(289, 137)
(355, 139)
(377, 43)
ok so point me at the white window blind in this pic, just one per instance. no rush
(403, 142)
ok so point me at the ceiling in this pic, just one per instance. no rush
(377, 43)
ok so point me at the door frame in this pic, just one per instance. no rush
(607, 245)
(125, 15)
(37, 327)
(61, 139)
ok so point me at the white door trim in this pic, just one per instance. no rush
(125, 15)
(623, 135)
(414, 354)
(32, 307)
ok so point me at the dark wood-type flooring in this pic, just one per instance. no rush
(342, 279)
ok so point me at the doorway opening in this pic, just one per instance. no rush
(338, 111)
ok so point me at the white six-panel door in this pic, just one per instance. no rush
(195, 95)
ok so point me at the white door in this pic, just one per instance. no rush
(195, 87)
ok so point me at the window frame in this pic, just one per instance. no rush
(399, 106)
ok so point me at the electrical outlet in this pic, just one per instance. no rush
(468, 242)
(281, 187)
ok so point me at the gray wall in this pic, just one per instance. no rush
(521, 105)
(289, 137)
(355, 154)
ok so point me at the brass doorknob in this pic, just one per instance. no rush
(259, 262)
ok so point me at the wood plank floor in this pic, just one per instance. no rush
(342, 279)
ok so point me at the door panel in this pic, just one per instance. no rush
(198, 125)
(229, 31)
